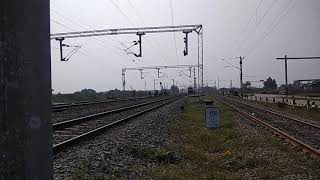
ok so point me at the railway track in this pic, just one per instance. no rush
(63, 107)
(295, 131)
(73, 131)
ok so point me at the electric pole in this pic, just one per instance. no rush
(286, 65)
(286, 73)
(218, 83)
(194, 80)
(173, 86)
(241, 76)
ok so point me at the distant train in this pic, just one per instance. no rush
(190, 90)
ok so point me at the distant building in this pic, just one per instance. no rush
(306, 84)
(314, 86)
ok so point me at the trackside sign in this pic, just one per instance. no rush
(212, 117)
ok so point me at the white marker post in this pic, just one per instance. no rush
(212, 116)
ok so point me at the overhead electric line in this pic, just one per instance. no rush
(276, 21)
(157, 50)
(63, 25)
(100, 40)
(133, 25)
(259, 22)
(244, 29)
(267, 12)
(79, 25)
(123, 14)
(174, 34)
(94, 59)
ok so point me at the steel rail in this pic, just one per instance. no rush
(292, 140)
(64, 124)
(60, 146)
(278, 114)
(58, 108)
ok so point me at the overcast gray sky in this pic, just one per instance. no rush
(259, 30)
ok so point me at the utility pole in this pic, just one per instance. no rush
(154, 85)
(218, 83)
(124, 79)
(173, 86)
(241, 76)
(202, 58)
(286, 66)
(25, 90)
(286, 72)
(198, 63)
(194, 80)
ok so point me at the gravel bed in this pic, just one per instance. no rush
(278, 157)
(94, 108)
(84, 127)
(305, 133)
(116, 153)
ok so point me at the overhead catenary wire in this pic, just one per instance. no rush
(73, 29)
(241, 44)
(231, 64)
(244, 29)
(276, 21)
(94, 59)
(63, 25)
(267, 12)
(131, 22)
(81, 26)
(174, 34)
(123, 14)
(100, 41)
(150, 42)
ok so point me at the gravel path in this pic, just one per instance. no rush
(123, 152)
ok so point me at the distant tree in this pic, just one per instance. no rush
(270, 84)
(247, 84)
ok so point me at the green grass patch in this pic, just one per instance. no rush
(225, 153)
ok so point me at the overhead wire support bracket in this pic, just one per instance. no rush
(60, 39)
(190, 66)
(61, 45)
(140, 34)
(158, 72)
(198, 28)
(186, 32)
(141, 74)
